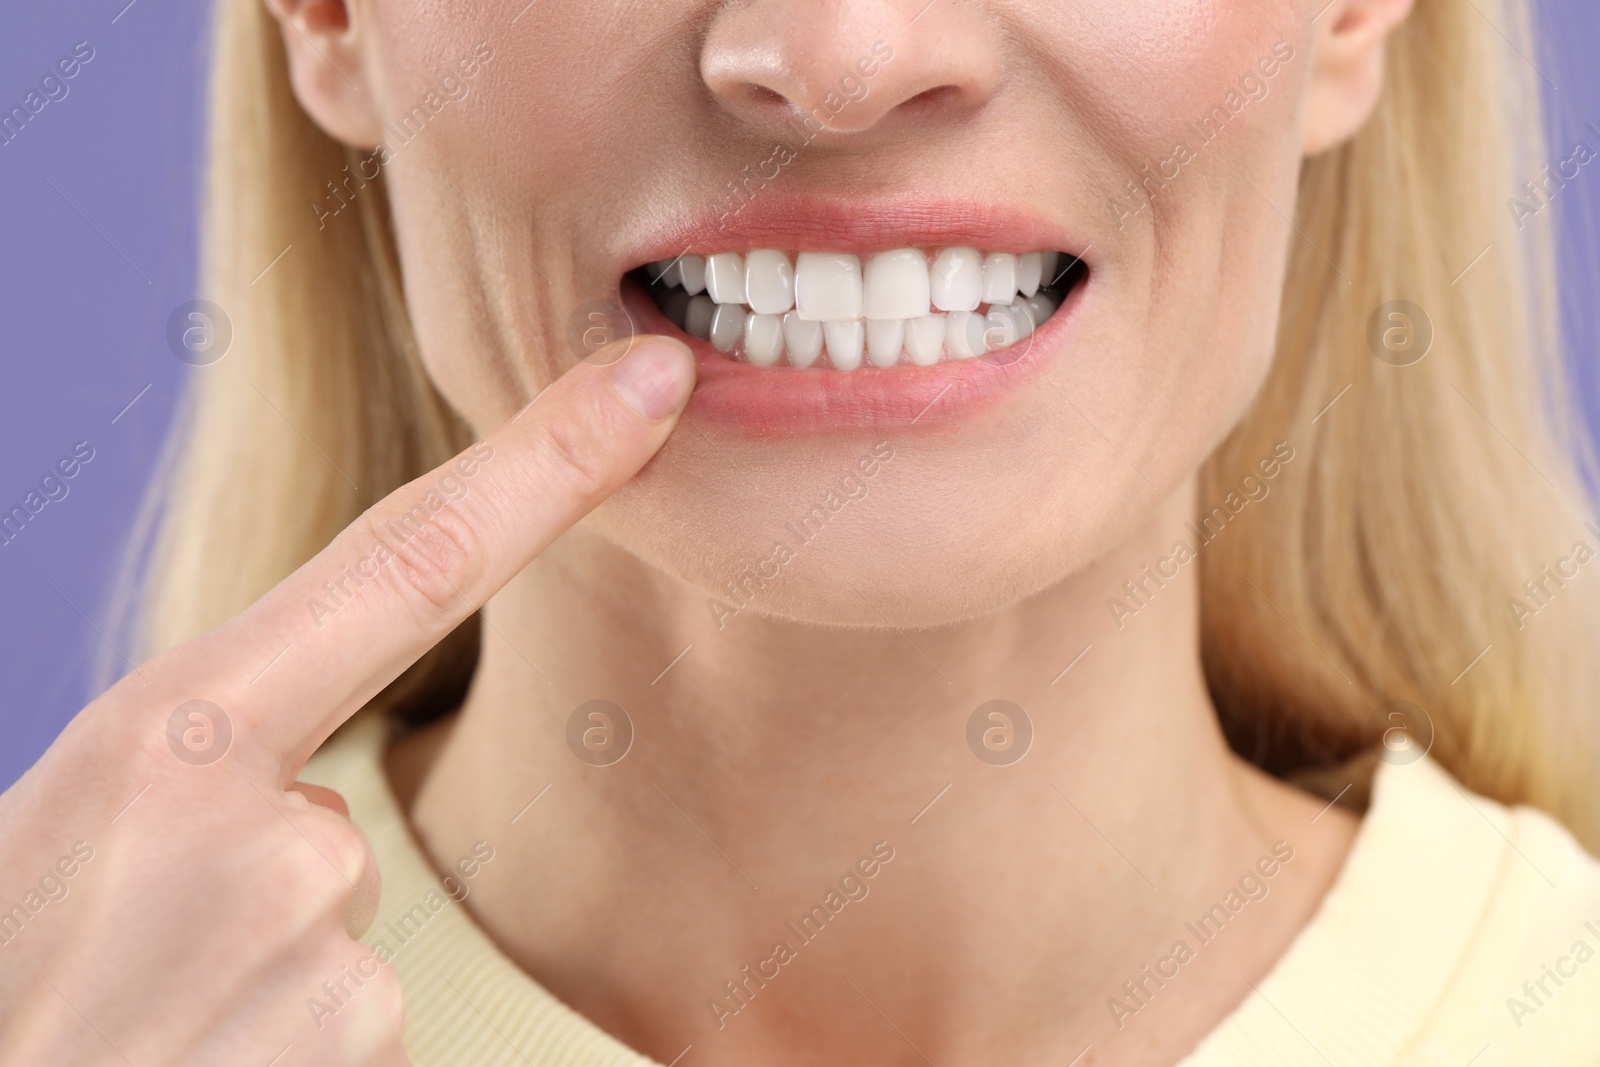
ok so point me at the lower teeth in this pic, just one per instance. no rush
(788, 340)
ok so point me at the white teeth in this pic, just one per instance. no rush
(1022, 314)
(1049, 262)
(827, 286)
(956, 280)
(889, 309)
(803, 338)
(768, 282)
(844, 343)
(963, 334)
(885, 338)
(1040, 307)
(725, 278)
(692, 270)
(1005, 326)
(895, 285)
(1000, 278)
(763, 339)
(999, 329)
(1030, 271)
(925, 339)
(727, 326)
(697, 319)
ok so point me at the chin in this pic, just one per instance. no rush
(876, 530)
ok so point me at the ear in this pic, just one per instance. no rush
(327, 67)
(1347, 68)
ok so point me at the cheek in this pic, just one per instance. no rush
(484, 199)
(1194, 133)
(1159, 67)
(1199, 187)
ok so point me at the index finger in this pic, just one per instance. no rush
(419, 562)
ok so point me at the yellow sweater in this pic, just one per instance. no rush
(1459, 933)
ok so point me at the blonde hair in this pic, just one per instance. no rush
(1382, 569)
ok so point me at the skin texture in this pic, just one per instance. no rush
(825, 717)
(503, 237)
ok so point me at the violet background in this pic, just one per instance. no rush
(97, 248)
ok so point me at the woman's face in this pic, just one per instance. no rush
(538, 157)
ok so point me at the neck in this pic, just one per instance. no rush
(772, 765)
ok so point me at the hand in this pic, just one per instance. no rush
(168, 893)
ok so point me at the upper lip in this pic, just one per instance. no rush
(855, 224)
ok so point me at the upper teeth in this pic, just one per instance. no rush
(892, 308)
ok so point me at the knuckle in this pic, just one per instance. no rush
(126, 741)
(333, 851)
(566, 451)
(431, 553)
(302, 893)
(388, 1001)
(312, 889)
(342, 845)
(317, 868)
(158, 723)
(361, 1006)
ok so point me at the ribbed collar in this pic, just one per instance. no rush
(466, 1002)
(1361, 979)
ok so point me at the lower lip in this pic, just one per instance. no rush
(790, 401)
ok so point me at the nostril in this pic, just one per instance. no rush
(932, 99)
(761, 95)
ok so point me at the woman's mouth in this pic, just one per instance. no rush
(844, 312)
(866, 314)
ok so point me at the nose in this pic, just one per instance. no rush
(842, 67)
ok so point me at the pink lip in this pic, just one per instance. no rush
(787, 401)
(790, 402)
(857, 224)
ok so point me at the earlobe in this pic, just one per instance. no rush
(1347, 68)
(327, 67)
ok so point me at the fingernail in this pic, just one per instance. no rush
(655, 378)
